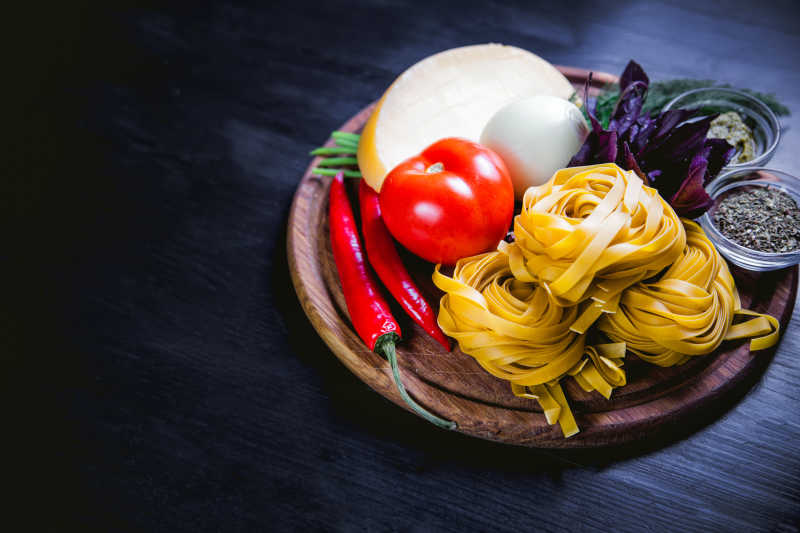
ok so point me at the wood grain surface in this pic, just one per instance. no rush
(454, 386)
(159, 372)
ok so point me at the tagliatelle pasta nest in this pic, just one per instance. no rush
(688, 310)
(516, 332)
(591, 244)
(591, 232)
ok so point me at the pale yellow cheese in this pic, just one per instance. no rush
(451, 94)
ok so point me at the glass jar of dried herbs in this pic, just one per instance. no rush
(761, 218)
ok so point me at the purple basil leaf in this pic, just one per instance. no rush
(633, 73)
(584, 155)
(646, 125)
(632, 132)
(600, 147)
(589, 111)
(691, 199)
(628, 162)
(606, 148)
(669, 119)
(680, 144)
(661, 130)
(690, 136)
(597, 128)
(665, 123)
(628, 107)
(718, 155)
(633, 86)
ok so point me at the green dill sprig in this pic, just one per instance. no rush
(660, 93)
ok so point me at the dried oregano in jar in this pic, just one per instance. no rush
(765, 219)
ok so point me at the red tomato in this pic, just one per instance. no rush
(453, 200)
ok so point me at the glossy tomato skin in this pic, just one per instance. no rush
(464, 208)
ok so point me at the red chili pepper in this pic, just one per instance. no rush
(369, 312)
(368, 309)
(385, 260)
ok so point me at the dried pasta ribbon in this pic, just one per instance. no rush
(688, 310)
(516, 332)
(763, 330)
(591, 232)
(602, 369)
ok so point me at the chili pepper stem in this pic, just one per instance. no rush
(385, 347)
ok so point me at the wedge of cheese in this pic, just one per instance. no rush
(451, 94)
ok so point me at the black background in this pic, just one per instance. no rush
(158, 372)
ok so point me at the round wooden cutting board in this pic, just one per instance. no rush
(454, 386)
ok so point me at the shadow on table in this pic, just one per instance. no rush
(360, 409)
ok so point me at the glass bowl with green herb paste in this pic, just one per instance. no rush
(755, 219)
(744, 121)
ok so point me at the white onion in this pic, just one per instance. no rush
(535, 137)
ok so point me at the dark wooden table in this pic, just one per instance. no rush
(158, 371)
